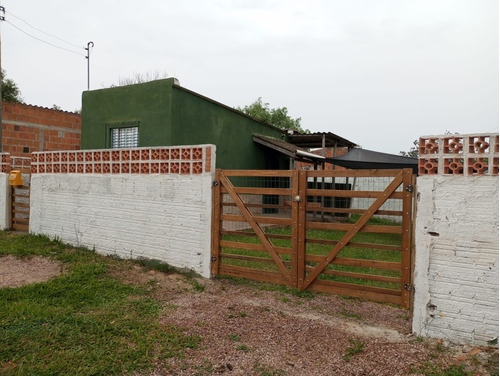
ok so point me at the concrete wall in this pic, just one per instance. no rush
(4, 201)
(456, 244)
(161, 212)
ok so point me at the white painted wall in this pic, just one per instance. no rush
(162, 217)
(4, 201)
(456, 267)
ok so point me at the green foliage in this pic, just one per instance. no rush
(430, 369)
(83, 322)
(357, 346)
(275, 116)
(10, 91)
(265, 370)
(413, 152)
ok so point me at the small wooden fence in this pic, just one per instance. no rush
(300, 228)
(20, 196)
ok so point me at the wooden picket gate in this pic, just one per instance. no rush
(20, 196)
(314, 231)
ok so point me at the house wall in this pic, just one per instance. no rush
(26, 129)
(149, 202)
(456, 241)
(168, 114)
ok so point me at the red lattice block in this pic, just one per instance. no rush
(185, 168)
(197, 153)
(64, 157)
(155, 168)
(5, 158)
(34, 158)
(41, 158)
(479, 144)
(164, 154)
(135, 155)
(175, 154)
(164, 168)
(155, 154)
(115, 168)
(125, 168)
(57, 168)
(80, 168)
(72, 168)
(175, 168)
(135, 168)
(80, 157)
(198, 168)
(97, 156)
(34, 169)
(71, 157)
(145, 168)
(495, 166)
(106, 168)
(208, 159)
(496, 144)
(88, 168)
(41, 169)
(186, 154)
(48, 169)
(98, 168)
(453, 145)
(428, 166)
(428, 146)
(48, 157)
(145, 155)
(64, 168)
(125, 155)
(115, 155)
(453, 166)
(5, 168)
(56, 157)
(106, 156)
(477, 166)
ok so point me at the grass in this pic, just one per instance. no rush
(357, 346)
(84, 322)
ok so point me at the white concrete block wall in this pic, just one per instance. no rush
(4, 201)
(456, 268)
(162, 216)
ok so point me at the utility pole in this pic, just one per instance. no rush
(2, 18)
(89, 44)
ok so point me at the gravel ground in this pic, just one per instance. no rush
(247, 330)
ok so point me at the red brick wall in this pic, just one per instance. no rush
(328, 154)
(26, 129)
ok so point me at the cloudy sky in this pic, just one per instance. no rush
(380, 73)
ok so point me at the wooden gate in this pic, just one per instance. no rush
(20, 196)
(342, 232)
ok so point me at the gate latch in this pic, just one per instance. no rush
(408, 287)
(409, 188)
(297, 199)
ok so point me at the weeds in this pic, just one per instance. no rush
(357, 346)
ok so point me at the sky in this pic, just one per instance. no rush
(380, 73)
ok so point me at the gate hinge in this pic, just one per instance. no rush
(215, 183)
(409, 188)
(408, 287)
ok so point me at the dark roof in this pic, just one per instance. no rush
(369, 159)
(288, 149)
(315, 140)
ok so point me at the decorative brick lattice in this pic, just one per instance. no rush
(473, 154)
(185, 160)
(5, 163)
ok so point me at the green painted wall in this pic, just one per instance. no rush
(169, 115)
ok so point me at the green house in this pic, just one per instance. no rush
(163, 113)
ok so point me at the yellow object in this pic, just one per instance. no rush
(15, 178)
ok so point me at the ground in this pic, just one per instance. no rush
(255, 329)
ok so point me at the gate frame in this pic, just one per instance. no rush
(296, 276)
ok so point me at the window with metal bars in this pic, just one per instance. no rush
(125, 137)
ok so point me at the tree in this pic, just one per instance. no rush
(138, 78)
(275, 116)
(10, 91)
(413, 152)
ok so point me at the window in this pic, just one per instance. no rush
(125, 137)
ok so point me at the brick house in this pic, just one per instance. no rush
(27, 128)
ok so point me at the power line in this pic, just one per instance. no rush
(43, 41)
(41, 31)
